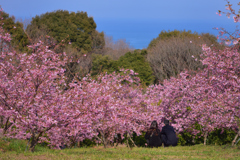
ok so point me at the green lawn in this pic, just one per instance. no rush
(16, 150)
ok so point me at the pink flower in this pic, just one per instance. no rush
(227, 42)
(190, 41)
(235, 19)
(235, 42)
(218, 13)
(228, 8)
(85, 55)
(228, 15)
(14, 27)
(69, 43)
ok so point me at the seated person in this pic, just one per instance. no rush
(168, 135)
(153, 135)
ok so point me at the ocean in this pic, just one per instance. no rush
(139, 32)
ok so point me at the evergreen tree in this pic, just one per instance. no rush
(165, 35)
(15, 29)
(63, 26)
(135, 61)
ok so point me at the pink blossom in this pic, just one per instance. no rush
(227, 42)
(227, 8)
(218, 13)
(235, 42)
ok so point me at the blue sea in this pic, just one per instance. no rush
(139, 32)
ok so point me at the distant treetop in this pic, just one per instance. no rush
(15, 29)
(164, 35)
(76, 28)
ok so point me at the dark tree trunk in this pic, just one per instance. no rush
(6, 126)
(34, 141)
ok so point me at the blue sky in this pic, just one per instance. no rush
(132, 16)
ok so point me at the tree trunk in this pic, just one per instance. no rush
(79, 144)
(104, 139)
(33, 144)
(34, 141)
(205, 138)
(7, 125)
(127, 143)
(105, 143)
(235, 139)
(131, 140)
(1, 123)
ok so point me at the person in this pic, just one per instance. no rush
(168, 135)
(153, 135)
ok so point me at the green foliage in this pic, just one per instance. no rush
(221, 137)
(164, 35)
(135, 61)
(216, 137)
(103, 64)
(187, 139)
(77, 28)
(7, 144)
(15, 29)
(87, 143)
(159, 102)
(139, 140)
(189, 108)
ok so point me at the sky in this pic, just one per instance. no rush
(137, 21)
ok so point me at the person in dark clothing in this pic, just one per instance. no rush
(168, 135)
(153, 135)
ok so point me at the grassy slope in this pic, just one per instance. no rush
(12, 149)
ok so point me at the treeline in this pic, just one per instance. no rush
(92, 52)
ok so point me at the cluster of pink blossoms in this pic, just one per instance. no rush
(36, 104)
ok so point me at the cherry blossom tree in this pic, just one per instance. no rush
(112, 104)
(224, 35)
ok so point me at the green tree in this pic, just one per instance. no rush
(135, 61)
(15, 29)
(76, 28)
(165, 35)
(103, 64)
(72, 33)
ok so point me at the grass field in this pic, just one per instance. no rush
(16, 150)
